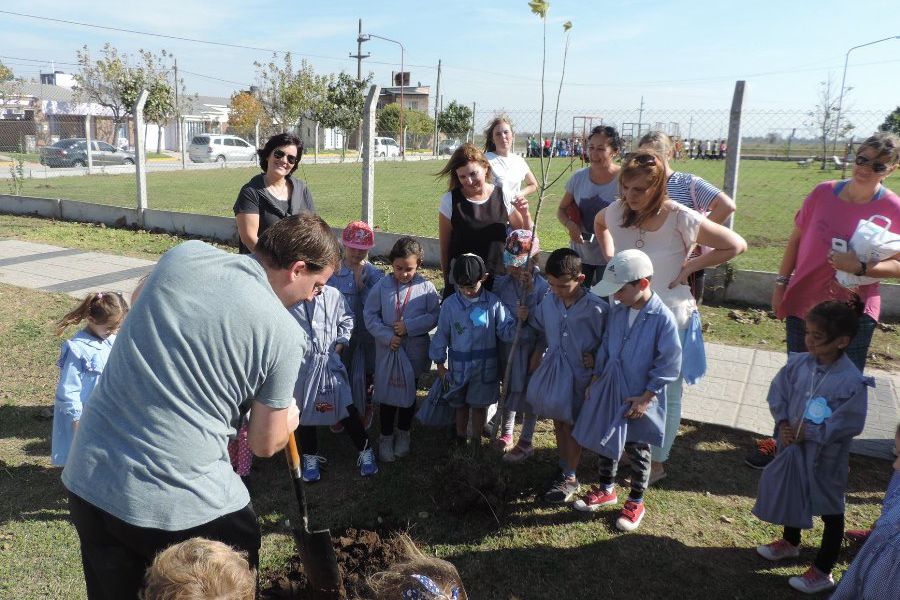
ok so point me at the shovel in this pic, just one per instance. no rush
(316, 549)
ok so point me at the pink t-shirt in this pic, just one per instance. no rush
(822, 217)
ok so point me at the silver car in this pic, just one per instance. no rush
(214, 147)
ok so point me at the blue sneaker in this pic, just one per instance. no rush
(310, 471)
(366, 462)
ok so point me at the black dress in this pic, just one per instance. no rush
(254, 199)
(478, 229)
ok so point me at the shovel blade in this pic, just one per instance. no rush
(320, 564)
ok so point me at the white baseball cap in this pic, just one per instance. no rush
(625, 267)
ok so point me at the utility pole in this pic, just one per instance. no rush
(177, 115)
(437, 95)
(473, 123)
(640, 116)
(690, 127)
(359, 56)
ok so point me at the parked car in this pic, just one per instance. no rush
(213, 147)
(72, 152)
(448, 146)
(386, 146)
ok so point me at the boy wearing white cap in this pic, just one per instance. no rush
(626, 404)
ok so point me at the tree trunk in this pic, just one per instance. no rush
(159, 131)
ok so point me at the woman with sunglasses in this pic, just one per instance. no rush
(831, 212)
(646, 218)
(273, 194)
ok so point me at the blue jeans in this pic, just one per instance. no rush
(856, 351)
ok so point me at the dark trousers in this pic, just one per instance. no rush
(639, 455)
(592, 274)
(831, 541)
(856, 351)
(115, 554)
(404, 418)
(309, 437)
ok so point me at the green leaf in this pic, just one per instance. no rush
(539, 7)
(567, 25)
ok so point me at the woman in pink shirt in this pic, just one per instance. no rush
(832, 210)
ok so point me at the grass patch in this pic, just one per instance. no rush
(698, 535)
(407, 194)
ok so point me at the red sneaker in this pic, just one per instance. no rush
(631, 516)
(597, 498)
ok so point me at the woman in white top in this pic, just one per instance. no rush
(509, 169)
(588, 191)
(645, 218)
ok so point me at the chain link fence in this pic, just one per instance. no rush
(783, 156)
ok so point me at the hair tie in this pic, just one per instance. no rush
(99, 295)
(427, 589)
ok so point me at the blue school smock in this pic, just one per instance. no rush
(826, 449)
(322, 391)
(875, 572)
(419, 304)
(467, 332)
(81, 361)
(571, 332)
(344, 281)
(510, 291)
(643, 357)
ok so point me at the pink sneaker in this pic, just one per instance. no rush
(504, 443)
(519, 453)
(631, 516)
(596, 499)
(778, 550)
(812, 582)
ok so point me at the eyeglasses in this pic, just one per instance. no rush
(279, 154)
(877, 167)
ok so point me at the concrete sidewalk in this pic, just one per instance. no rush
(733, 393)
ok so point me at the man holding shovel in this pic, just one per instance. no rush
(208, 337)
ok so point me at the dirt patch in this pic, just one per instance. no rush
(360, 553)
(468, 483)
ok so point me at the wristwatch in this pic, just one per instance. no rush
(863, 267)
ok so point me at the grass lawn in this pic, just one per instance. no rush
(698, 535)
(407, 193)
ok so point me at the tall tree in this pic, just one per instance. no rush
(107, 82)
(891, 122)
(455, 120)
(290, 95)
(415, 122)
(245, 110)
(343, 106)
(823, 118)
(6, 73)
(160, 106)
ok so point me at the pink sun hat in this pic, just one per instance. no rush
(358, 235)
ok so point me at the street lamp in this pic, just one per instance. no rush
(837, 126)
(368, 36)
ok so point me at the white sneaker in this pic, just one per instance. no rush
(401, 443)
(778, 550)
(386, 448)
(812, 582)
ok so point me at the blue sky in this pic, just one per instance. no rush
(677, 55)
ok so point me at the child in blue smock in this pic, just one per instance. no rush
(471, 320)
(626, 404)
(323, 389)
(571, 320)
(818, 400)
(81, 361)
(354, 279)
(521, 284)
(876, 569)
(399, 313)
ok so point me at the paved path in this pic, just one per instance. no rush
(733, 393)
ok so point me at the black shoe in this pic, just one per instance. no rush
(765, 453)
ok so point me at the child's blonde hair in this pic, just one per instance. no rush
(102, 307)
(420, 577)
(199, 569)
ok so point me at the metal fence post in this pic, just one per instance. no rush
(87, 138)
(368, 156)
(140, 166)
(733, 152)
(181, 139)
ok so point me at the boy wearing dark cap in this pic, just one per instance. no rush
(471, 320)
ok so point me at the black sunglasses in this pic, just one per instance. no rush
(279, 154)
(877, 167)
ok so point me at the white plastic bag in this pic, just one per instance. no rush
(870, 242)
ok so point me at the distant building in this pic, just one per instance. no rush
(415, 97)
(66, 80)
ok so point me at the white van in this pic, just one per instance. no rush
(211, 147)
(386, 146)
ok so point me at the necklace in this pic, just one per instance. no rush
(640, 241)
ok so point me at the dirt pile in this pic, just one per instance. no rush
(360, 553)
